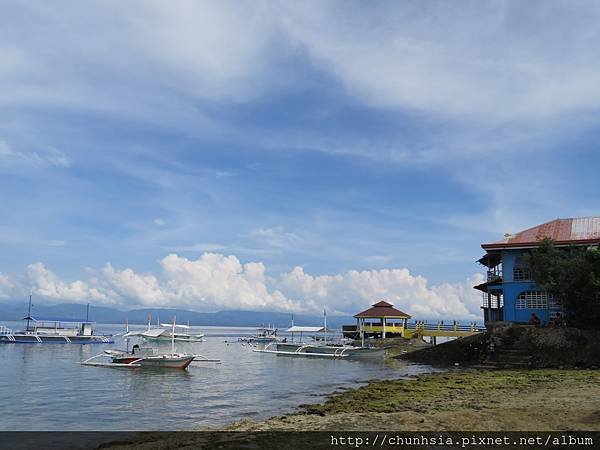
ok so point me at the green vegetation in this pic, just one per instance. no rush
(572, 275)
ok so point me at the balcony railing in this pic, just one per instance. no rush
(493, 276)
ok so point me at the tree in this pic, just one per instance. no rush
(572, 276)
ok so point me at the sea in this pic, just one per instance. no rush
(44, 387)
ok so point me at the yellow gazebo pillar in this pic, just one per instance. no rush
(362, 331)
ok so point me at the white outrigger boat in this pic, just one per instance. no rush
(164, 333)
(264, 335)
(146, 357)
(53, 331)
(318, 348)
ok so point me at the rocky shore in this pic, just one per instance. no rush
(496, 400)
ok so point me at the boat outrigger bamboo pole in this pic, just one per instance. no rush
(173, 338)
(29, 311)
(325, 324)
(127, 337)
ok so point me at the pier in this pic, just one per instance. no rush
(385, 320)
(423, 328)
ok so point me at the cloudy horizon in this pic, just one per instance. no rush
(273, 155)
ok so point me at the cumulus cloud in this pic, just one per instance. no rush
(215, 282)
(47, 284)
(8, 286)
(127, 284)
(350, 292)
(218, 281)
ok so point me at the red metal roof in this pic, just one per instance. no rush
(383, 309)
(584, 230)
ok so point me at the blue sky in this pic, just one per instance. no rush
(271, 155)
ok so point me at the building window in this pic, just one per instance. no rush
(534, 300)
(522, 270)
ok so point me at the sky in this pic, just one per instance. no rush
(287, 156)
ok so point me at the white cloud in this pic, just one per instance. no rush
(49, 157)
(46, 283)
(499, 59)
(215, 281)
(483, 59)
(218, 281)
(145, 289)
(8, 286)
(485, 77)
(276, 237)
(353, 291)
(199, 247)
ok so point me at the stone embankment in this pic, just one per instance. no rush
(516, 346)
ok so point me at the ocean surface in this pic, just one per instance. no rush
(44, 387)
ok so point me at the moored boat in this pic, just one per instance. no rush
(164, 334)
(142, 357)
(146, 357)
(54, 330)
(319, 348)
(264, 335)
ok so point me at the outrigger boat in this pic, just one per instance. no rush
(146, 357)
(318, 348)
(53, 330)
(163, 333)
(263, 336)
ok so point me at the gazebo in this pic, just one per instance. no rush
(383, 311)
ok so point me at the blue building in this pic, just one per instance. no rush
(510, 293)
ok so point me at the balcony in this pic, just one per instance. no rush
(493, 276)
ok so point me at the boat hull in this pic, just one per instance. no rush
(19, 338)
(156, 362)
(177, 338)
(332, 351)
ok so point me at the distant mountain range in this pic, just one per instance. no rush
(101, 314)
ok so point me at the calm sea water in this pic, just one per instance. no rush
(43, 387)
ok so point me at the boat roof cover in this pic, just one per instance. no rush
(55, 319)
(154, 332)
(296, 329)
(170, 325)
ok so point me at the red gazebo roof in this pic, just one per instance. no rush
(383, 309)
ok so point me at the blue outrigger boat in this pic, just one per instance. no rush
(53, 330)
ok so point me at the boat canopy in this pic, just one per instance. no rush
(170, 325)
(296, 329)
(155, 332)
(55, 320)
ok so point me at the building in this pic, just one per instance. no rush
(384, 320)
(510, 293)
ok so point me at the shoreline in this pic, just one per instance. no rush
(475, 400)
